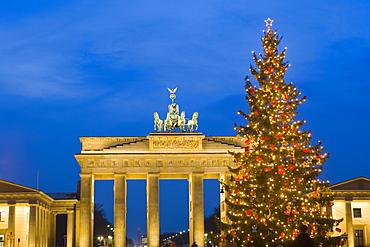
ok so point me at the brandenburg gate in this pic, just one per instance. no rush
(160, 155)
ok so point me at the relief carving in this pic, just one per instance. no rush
(90, 163)
(114, 163)
(159, 163)
(214, 163)
(176, 144)
(192, 163)
(204, 163)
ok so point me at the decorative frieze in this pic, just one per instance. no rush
(178, 142)
(152, 163)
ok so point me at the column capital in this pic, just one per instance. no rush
(86, 175)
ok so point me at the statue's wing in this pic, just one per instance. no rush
(172, 90)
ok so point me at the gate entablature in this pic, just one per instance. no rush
(164, 153)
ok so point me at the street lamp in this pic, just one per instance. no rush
(100, 238)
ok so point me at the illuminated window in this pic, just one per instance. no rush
(357, 212)
(2, 216)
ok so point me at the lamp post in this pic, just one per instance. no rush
(100, 238)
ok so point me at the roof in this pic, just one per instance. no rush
(62, 196)
(9, 187)
(359, 184)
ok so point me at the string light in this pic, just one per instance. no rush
(274, 187)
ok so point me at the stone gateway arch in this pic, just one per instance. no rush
(188, 155)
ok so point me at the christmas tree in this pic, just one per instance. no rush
(274, 188)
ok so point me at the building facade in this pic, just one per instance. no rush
(28, 216)
(352, 203)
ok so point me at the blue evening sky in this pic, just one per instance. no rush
(101, 68)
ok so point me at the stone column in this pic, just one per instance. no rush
(223, 206)
(120, 210)
(152, 192)
(52, 228)
(349, 223)
(32, 233)
(87, 210)
(77, 225)
(196, 210)
(70, 227)
(11, 220)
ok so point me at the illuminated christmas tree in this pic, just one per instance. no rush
(274, 187)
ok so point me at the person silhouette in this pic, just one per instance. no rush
(303, 239)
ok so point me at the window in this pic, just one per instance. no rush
(2, 216)
(357, 212)
(2, 239)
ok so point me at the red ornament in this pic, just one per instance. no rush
(282, 235)
(331, 204)
(237, 179)
(285, 127)
(271, 201)
(255, 113)
(338, 229)
(249, 212)
(317, 157)
(272, 102)
(272, 146)
(247, 142)
(256, 216)
(285, 96)
(270, 51)
(246, 176)
(294, 211)
(291, 167)
(295, 234)
(279, 136)
(287, 212)
(259, 158)
(267, 169)
(252, 91)
(281, 170)
(300, 180)
(283, 114)
(251, 192)
(236, 191)
(247, 149)
(315, 194)
(265, 138)
(306, 150)
(289, 220)
(269, 69)
(275, 87)
(303, 208)
(233, 232)
(248, 238)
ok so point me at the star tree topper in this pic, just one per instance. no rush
(269, 22)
